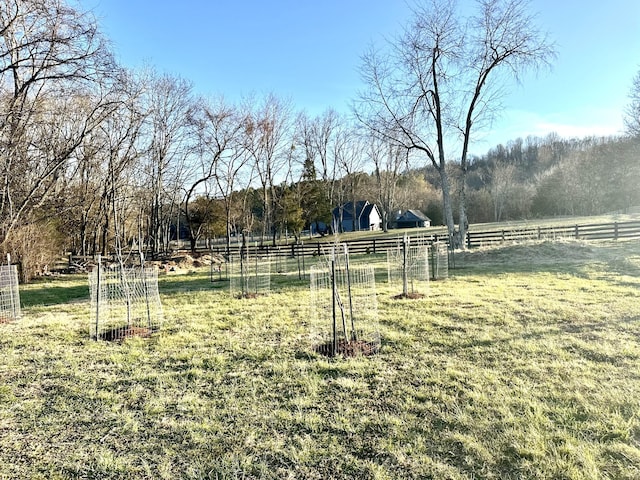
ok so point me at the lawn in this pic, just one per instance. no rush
(525, 363)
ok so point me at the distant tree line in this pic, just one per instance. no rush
(536, 177)
(553, 176)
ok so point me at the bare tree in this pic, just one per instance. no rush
(220, 127)
(502, 187)
(632, 114)
(317, 136)
(170, 105)
(442, 80)
(121, 153)
(267, 130)
(55, 89)
(85, 210)
(219, 130)
(390, 161)
(350, 152)
(321, 140)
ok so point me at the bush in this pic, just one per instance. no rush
(34, 247)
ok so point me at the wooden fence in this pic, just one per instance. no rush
(600, 231)
(603, 231)
(370, 246)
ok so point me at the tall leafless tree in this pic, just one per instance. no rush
(350, 153)
(169, 104)
(442, 79)
(390, 161)
(632, 113)
(121, 153)
(268, 140)
(317, 136)
(220, 127)
(55, 90)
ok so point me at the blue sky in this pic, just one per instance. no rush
(309, 51)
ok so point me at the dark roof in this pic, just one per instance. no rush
(347, 209)
(413, 216)
(366, 211)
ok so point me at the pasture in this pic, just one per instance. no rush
(525, 363)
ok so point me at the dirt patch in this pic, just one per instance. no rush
(118, 334)
(352, 348)
(249, 295)
(408, 296)
(5, 319)
(185, 263)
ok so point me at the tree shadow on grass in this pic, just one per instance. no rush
(190, 282)
(53, 295)
(589, 331)
(567, 257)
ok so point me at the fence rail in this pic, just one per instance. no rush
(602, 231)
(377, 245)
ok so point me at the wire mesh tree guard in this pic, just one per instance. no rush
(439, 260)
(9, 293)
(218, 268)
(409, 265)
(125, 301)
(344, 306)
(290, 260)
(249, 276)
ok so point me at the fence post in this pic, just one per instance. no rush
(615, 230)
(576, 231)
(14, 312)
(98, 293)
(469, 240)
(334, 343)
(374, 245)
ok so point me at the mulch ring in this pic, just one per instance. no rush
(249, 295)
(409, 296)
(351, 348)
(120, 333)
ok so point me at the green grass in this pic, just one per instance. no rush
(524, 364)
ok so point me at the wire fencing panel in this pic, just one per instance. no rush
(408, 265)
(124, 301)
(249, 276)
(290, 260)
(439, 257)
(9, 294)
(344, 307)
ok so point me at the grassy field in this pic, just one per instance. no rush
(524, 364)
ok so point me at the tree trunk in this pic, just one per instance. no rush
(228, 240)
(446, 202)
(463, 226)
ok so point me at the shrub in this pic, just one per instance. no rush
(33, 247)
